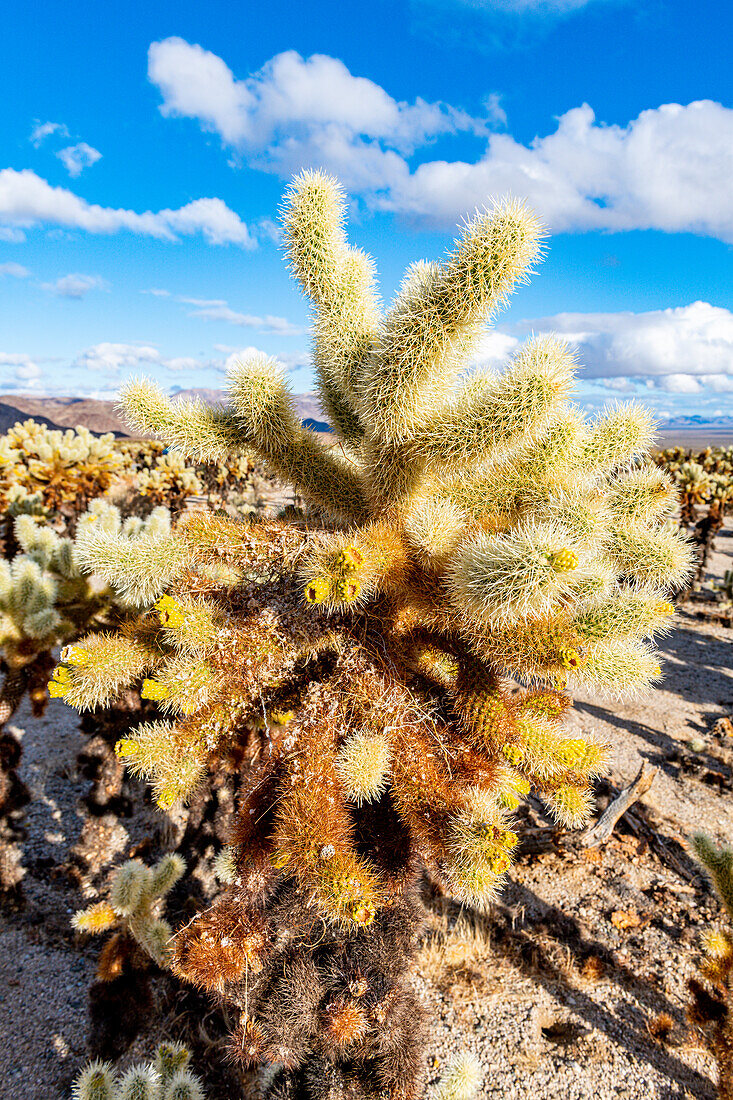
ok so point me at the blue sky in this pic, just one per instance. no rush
(144, 150)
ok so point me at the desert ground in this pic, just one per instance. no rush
(573, 985)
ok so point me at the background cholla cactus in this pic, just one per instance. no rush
(167, 1077)
(712, 1006)
(68, 468)
(355, 662)
(45, 602)
(133, 913)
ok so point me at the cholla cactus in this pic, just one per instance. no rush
(45, 601)
(135, 901)
(167, 1077)
(68, 468)
(168, 480)
(463, 532)
(712, 1007)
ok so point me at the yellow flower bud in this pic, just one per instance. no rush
(362, 913)
(127, 746)
(74, 655)
(170, 612)
(574, 750)
(166, 798)
(152, 689)
(500, 864)
(279, 859)
(564, 561)
(510, 839)
(56, 690)
(349, 559)
(513, 753)
(61, 674)
(571, 658)
(664, 608)
(348, 590)
(316, 591)
(97, 918)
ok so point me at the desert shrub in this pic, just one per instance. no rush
(354, 660)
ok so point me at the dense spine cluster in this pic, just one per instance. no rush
(465, 534)
(712, 998)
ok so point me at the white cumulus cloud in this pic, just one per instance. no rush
(668, 169)
(27, 200)
(297, 110)
(75, 158)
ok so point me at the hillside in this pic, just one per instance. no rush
(101, 416)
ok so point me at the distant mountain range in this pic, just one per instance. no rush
(102, 416)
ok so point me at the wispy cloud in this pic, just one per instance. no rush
(75, 158)
(43, 130)
(27, 200)
(15, 271)
(112, 357)
(219, 310)
(75, 285)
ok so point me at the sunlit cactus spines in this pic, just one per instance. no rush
(391, 668)
(166, 1077)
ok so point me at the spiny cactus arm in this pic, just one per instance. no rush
(501, 578)
(349, 569)
(490, 413)
(271, 428)
(98, 668)
(170, 1059)
(339, 280)
(718, 862)
(96, 1082)
(652, 556)
(221, 945)
(461, 1081)
(435, 315)
(163, 754)
(628, 612)
(619, 434)
(184, 1086)
(479, 847)
(509, 485)
(140, 568)
(363, 766)
(139, 1083)
(646, 494)
(192, 427)
(617, 668)
(313, 828)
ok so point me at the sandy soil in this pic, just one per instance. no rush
(572, 986)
